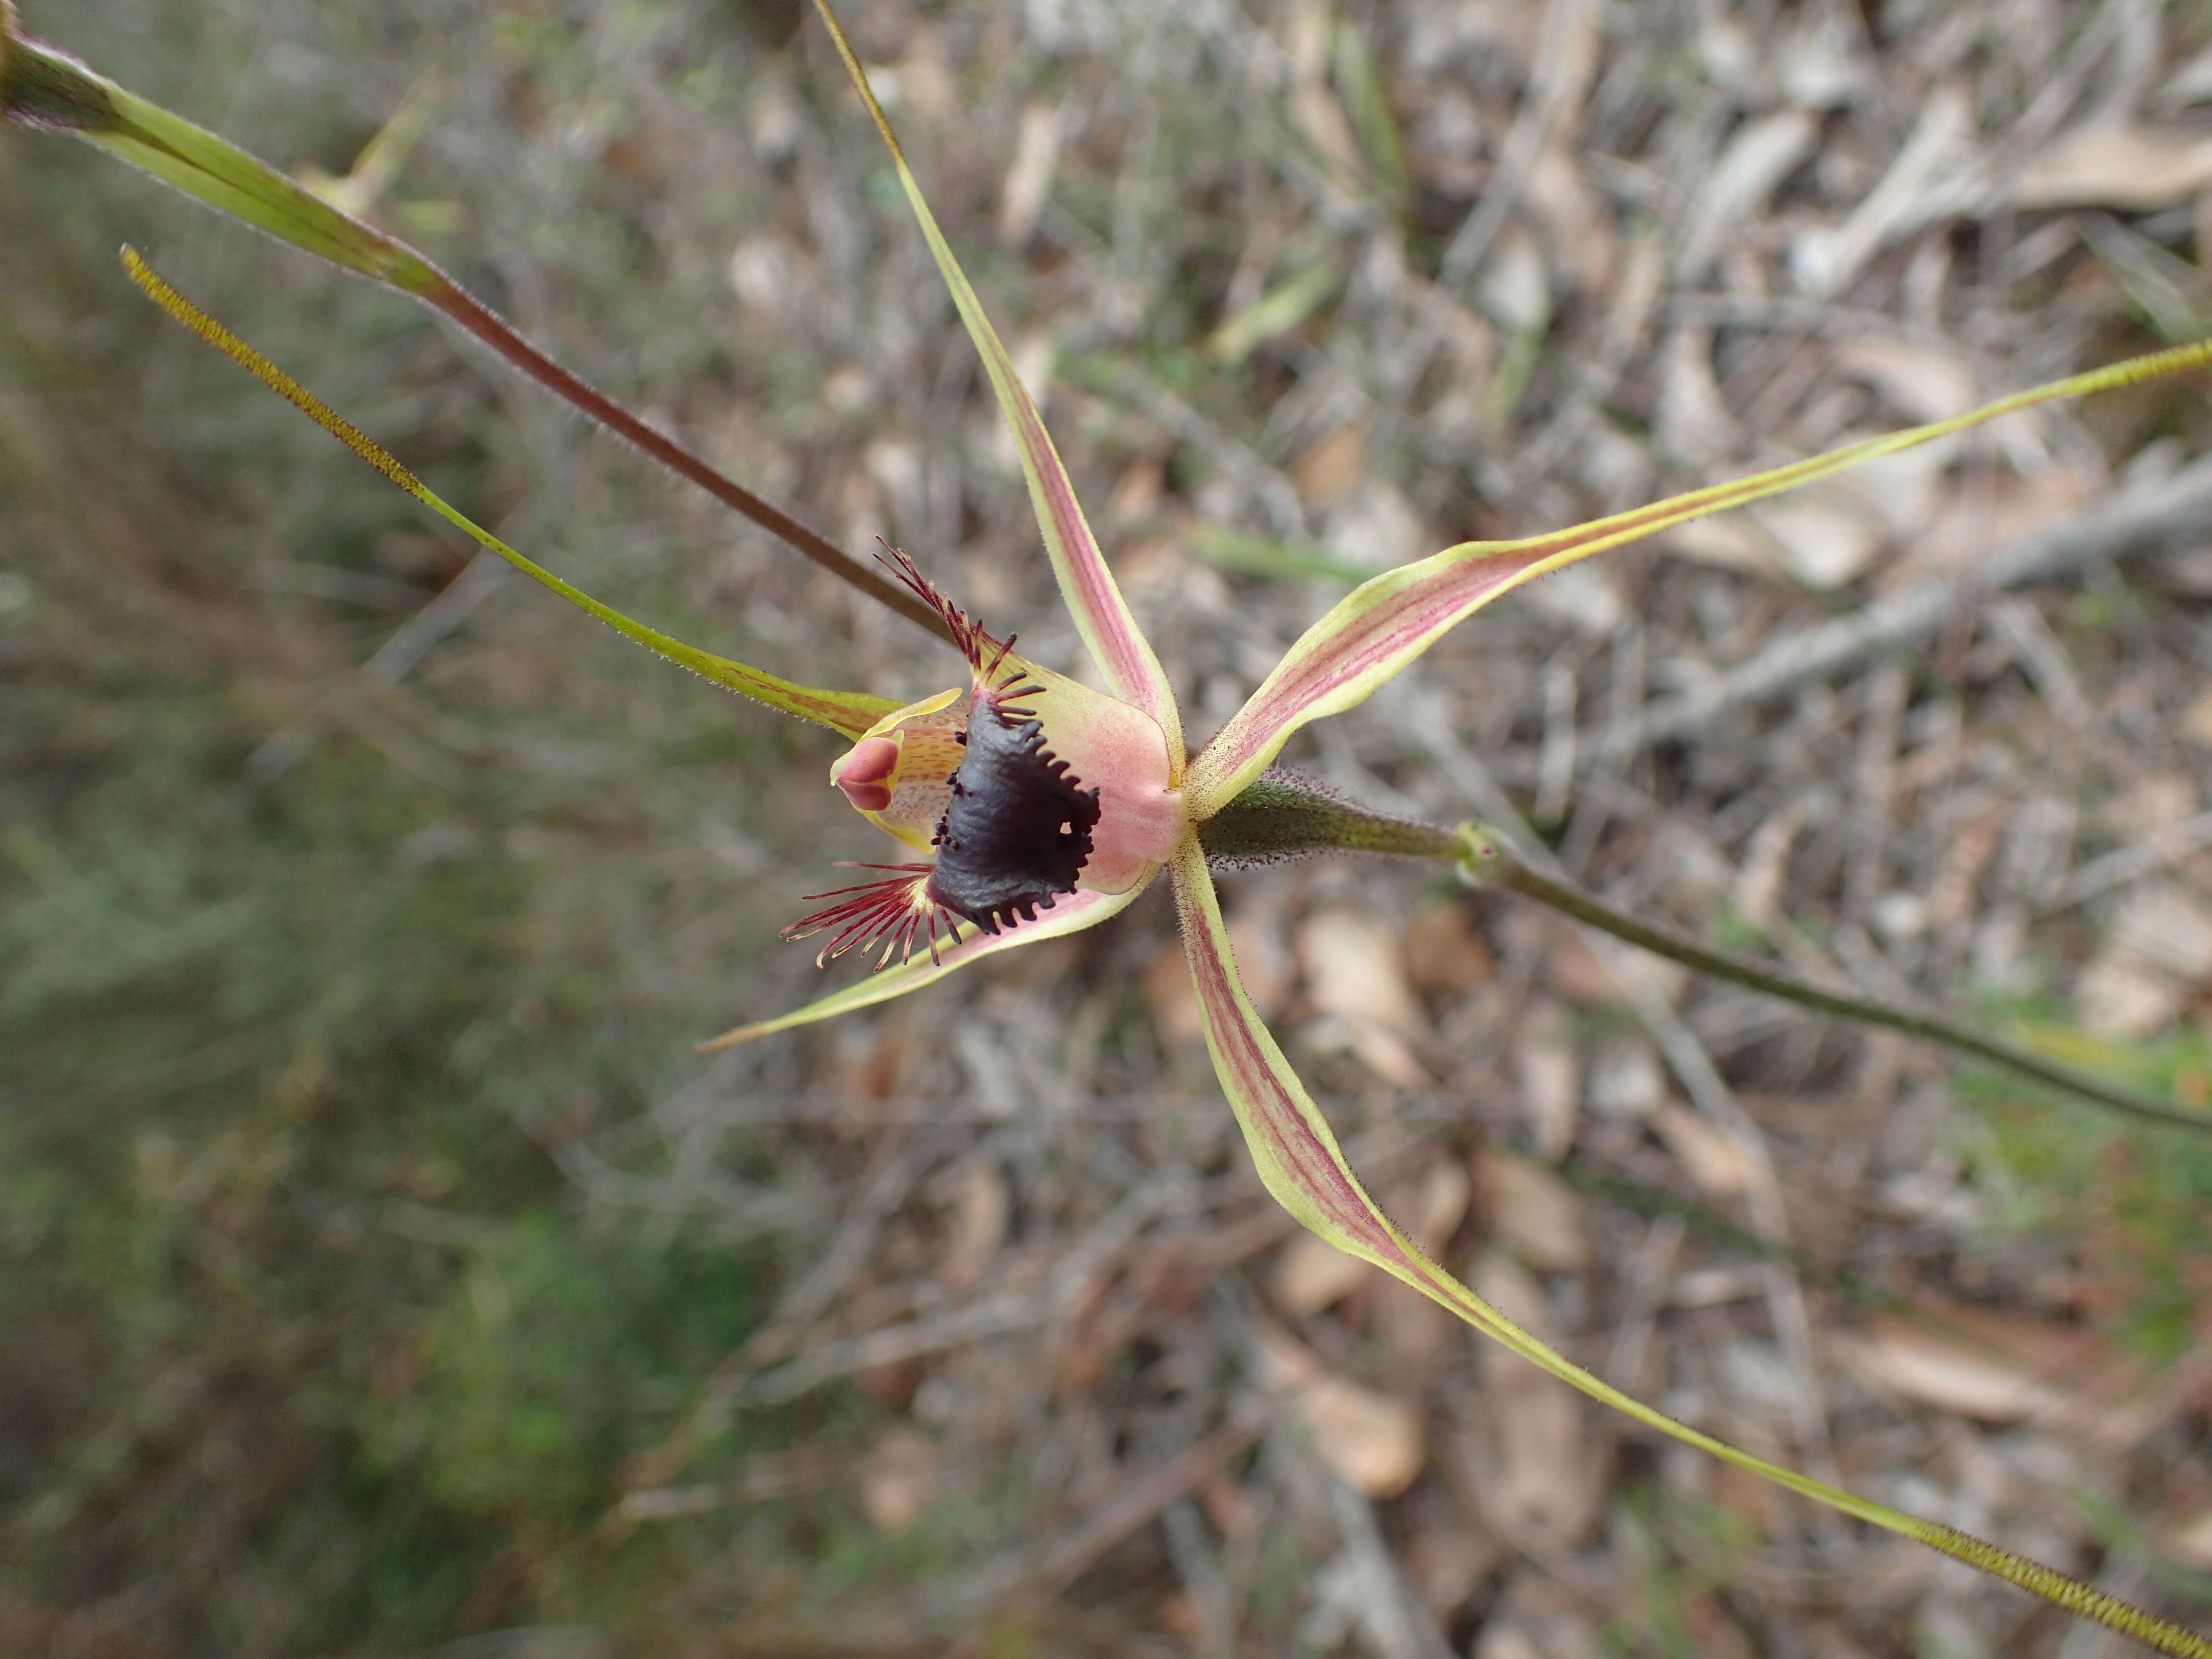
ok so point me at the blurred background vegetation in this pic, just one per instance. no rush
(317, 975)
(372, 1239)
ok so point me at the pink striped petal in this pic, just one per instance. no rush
(1385, 623)
(1292, 1145)
(1302, 1166)
(1102, 615)
(1071, 913)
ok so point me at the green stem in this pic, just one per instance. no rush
(1501, 866)
(43, 87)
(1285, 815)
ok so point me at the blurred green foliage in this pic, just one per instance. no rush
(314, 988)
(2137, 1199)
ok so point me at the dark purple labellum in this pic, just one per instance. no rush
(1018, 828)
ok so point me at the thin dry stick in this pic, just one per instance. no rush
(1556, 83)
(1396, 1622)
(997, 1315)
(993, 1315)
(2166, 515)
(1138, 1502)
(1649, 1268)
(2116, 869)
(1203, 1581)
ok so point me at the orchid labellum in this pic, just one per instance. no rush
(1036, 806)
(1013, 828)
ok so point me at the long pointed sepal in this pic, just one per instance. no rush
(850, 713)
(1298, 1159)
(1070, 914)
(1102, 615)
(1382, 626)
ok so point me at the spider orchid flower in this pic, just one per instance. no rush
(1013, 826)
(1007, 809)
(1038, 806)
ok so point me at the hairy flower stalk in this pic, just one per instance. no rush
(1286, 815)
(1038, 806)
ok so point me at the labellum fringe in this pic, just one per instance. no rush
(1013, 837)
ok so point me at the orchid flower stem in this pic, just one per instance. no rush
(41, 86)
(1489, 861)
(456, 303)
